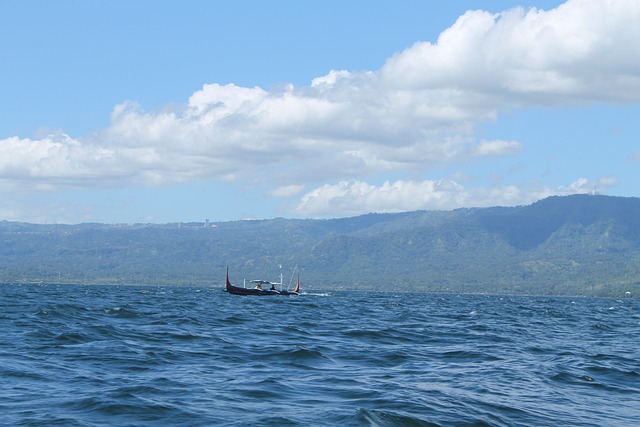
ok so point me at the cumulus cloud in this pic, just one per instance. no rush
(420, 111)
(582, 51)
(57, 161)
(357, 197)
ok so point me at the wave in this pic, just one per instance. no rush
(185, 356)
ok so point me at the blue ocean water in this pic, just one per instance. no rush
(148, 356)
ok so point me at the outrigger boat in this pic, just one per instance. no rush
(258, 290)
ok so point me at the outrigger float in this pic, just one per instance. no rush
(258, 290)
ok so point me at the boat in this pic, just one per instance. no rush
(258, 289)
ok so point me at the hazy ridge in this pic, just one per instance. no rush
(574, 245)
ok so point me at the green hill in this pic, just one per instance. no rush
(574, 245)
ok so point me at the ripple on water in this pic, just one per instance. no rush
(105, 355)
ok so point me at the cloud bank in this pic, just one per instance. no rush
(320, 144)
(355, 197)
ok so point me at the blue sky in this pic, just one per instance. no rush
(147, 111)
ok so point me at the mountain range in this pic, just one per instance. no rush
(572, 245)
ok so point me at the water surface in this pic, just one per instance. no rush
(143, 356)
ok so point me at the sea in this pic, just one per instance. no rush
(109, 355)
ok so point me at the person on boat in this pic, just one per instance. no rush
(259, 286)
(273, 287)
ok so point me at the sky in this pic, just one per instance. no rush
(176, 111)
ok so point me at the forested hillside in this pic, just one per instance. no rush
(575, 245)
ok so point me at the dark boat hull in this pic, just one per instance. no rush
(247, 291)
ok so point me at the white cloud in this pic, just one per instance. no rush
(582, 51)
(357, 197)
(420, 111)
(497, 148)
(56, 161)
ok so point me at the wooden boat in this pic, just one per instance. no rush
(258, 290)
